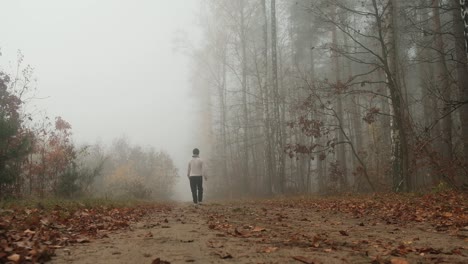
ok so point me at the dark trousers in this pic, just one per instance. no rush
(196, 185)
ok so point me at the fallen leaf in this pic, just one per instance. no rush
(429, 250)
(15, 258)
(223, 254)
(447, 215)
(344, 233)
(269, 250)
(8, 249)
(159, 261)
(82, 240)
(215, 244)
(240, 232)
(27, 231)
(304, 260)
(398, 261)
(258, 229)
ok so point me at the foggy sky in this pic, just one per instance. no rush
(108, 67)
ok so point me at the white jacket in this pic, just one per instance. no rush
(195, 167)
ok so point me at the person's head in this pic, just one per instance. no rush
(196, 151)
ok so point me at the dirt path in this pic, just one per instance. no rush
(264, 233)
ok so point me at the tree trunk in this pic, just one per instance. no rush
(245, 110)
(355, 113)
(429, 102)
(276, 96)
(266, 106)
(443, 74)
(400, 166)
(462, 77)
(223, 110)
(341, 149)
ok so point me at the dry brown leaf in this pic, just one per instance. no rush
(304, 260)
(15, 258)
(269, 250)
(8, 249)
(344, 233)
(447, 215)
(398, 261)
(258, 229)
(223, 254)
(238, 231)
(27, 231)
(82, 240)
(159, 261)
(215, 244)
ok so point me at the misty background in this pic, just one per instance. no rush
(282, 97)
(110, 69)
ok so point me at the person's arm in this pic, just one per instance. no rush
(205, 176)
(188, 171)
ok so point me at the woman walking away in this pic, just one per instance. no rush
(196, 173)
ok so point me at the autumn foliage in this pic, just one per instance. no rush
(38, 157)
(15, 138)
(345, 228)
(32, 234)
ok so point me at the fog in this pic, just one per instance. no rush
(282, 97)
(109, 68)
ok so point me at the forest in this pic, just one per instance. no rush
(38, 157)
(315, 131)
(333, 96)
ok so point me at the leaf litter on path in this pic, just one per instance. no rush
(31, 235)
(382, 229)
